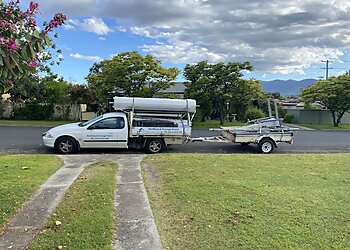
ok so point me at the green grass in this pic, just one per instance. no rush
(86, 213)
(203, 201)
(20, 177)
(326, 127)
(33, 123)
(215, 124)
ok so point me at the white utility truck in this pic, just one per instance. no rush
(141, 123)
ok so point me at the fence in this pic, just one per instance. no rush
(315, 116)
(70, 112)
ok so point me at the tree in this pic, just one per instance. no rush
(129, 74)
(80, 94)
(21, 43)
(245, 93)
(219, 84)
(333, 93)
(25, 89)
(275, 95)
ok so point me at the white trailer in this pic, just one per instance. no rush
(266, 133)
(142, 123)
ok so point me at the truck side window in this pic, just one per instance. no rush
(109, 123)
(120, 123)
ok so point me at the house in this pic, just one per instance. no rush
(178, 89)
(293, 105)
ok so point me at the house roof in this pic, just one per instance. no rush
(178, 87)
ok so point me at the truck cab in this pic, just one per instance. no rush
(106, 131)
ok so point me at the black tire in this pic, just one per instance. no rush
(66, 145)
(266, 146)
(155, 146)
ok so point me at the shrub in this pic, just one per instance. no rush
(198, 116)
(281, 112)
(254, 113)
(2, 108)
(33, 111)
(288, 118)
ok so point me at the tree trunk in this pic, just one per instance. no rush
(222, 112)
(334, 118)
(337, 116)
(222, 118)
(340, 115)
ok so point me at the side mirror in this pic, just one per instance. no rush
(92, 127)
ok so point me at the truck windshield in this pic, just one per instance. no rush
(83, 124)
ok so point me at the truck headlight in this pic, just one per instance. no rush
(47, 135)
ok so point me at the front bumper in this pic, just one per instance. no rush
(48, 140)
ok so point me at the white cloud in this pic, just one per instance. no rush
(275, 36)
(88, 58)
(93, 24)
(68, 26)
(102, 38)
(182, 53)
(121, 29)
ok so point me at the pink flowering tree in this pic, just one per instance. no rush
(23, 46)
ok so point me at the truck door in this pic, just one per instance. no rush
(105, 134)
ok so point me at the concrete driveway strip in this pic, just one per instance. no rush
(136, 228)
(31, 218)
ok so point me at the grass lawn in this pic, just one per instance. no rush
(33, 123)
(86, 213)
(326, 127)
(20, 177)
(215, 124)
(204, 201)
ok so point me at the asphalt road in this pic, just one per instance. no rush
(28, 140)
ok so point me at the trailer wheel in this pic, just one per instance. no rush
(154, 146)
(266, 146)
(66, 145)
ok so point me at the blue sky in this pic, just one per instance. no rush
(282, 39)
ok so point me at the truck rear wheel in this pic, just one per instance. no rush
(154, 146)
(266, 146)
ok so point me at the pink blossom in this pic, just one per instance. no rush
(12, 45)
(31, 23)
(56, 21)
(33, 8)
(9, 44)
(33, 64)
(3, 41)
(9, 82)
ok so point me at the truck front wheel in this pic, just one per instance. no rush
(154, 146)
(266, 146)
(66, 145)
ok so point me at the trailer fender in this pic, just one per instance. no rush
(266, 136)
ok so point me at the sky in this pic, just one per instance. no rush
(281, 39)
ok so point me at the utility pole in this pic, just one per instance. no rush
(327, 68)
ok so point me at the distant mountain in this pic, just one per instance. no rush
(286, 87)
